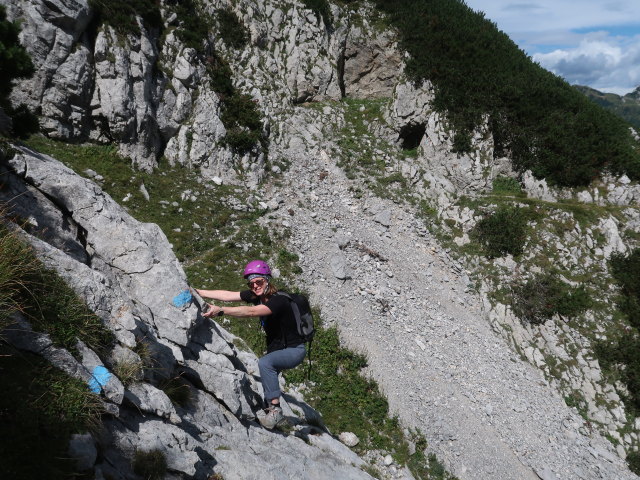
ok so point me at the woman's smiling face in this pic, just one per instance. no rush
(257, 285)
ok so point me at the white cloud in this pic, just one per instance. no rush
(544, 15)
(605, 63)
(590, 42)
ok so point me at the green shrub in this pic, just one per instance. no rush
(15, 63)
(193, 29)
(320, 8)
(626, 270)
(121, 14)
(536, 118)
(502, 232)
(543, 296)
(242, 119)
(232, 31)
(633, 460)
(393, 178)
(24, 121)
(506, 186)
(622, 356)
(151, 465)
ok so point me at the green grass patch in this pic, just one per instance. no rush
(44, 298)
(507, 186)
(150, 465)
(53, 307)
(17, 264)
(177, 389)
(40, 409)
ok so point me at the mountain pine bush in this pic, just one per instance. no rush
(502, 232)
(536, 117)
(543, 296)
(622, 355)
(15, 62)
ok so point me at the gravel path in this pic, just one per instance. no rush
(485, 413)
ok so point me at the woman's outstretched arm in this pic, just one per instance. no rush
(219, 295)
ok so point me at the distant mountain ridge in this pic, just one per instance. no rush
(627, 106)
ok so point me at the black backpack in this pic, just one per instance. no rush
(304, 320)
(302, 313)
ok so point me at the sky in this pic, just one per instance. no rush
(586, 42)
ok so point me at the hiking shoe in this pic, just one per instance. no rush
(272, 417)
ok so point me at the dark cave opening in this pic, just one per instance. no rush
(411, 135)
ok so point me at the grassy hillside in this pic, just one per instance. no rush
(536, 117)
(626, 107)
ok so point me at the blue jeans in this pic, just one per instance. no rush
(273, 363)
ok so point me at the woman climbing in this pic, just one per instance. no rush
(285, 347)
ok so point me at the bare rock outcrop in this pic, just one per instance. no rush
(128, 275)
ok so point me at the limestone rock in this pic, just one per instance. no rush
(349, 439)
(339, 267)
(372, 63)
(82, 448)
(117, 276)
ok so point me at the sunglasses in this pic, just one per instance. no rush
(256, 283)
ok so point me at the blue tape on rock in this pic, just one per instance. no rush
(100, 377)
(182, 299)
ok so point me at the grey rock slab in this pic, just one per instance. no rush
(134, 254)
(269, 457)
(337, 449)
(339, 267)
(383, 217)
(111, 385)
(82, 448)
(150, 399)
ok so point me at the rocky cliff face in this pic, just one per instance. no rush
(128, 275)
(151, 95)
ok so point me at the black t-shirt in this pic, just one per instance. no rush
(280, 326)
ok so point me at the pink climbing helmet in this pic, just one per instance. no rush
(256, 267)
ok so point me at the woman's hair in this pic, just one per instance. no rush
(271, 289)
